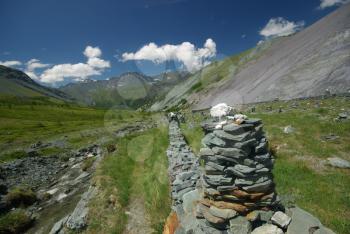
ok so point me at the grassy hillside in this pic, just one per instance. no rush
(300, 172)
(18, 84)
(23, 123)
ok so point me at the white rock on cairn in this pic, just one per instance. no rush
(220, 110)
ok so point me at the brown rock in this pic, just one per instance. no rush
(229, 205)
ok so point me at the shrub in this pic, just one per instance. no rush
(13, 155)
(87, 164)
(20, 196)
(111, 148)
(16, 221)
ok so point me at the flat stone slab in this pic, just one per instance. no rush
(222, 213)
(338, 162)
(231, 137)
(281, 219)
(230, 152)
(268, 229)
(303, 222)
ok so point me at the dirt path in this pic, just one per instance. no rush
(138, 218)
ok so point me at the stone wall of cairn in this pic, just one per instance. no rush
(238, 188)
(183, 167)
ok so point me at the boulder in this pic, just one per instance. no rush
(268, 229)
(281, 219)
(303, 222)
(240, 225)
(338, 162)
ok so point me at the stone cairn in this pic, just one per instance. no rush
(237, 182)
(232, 192)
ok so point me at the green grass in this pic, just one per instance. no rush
(192, 134)
(299, 173)
(138, 169)
(23, 125)
(15, 221)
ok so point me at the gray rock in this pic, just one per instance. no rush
(288, 129)
(190, 200)
(230, 152)
(217, 180)
(233, 128)
(58, 226)
(222, 213)
(342, 115)
(210, 139)
(261, 187)
(244, 169)
(268, 229)
(302, 222)
(206, 152)
(78, 218)
(240, 225)
(236, 138)
(265, 216)
(281, 219)
(338, 162)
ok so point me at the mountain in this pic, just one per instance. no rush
(305, 64)
(127, 90)
(16, 83)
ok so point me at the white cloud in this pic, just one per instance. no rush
(279, 26)
(92, 52)
(98, 63)
(57, 73)
(10, 63)
(329, 3)
(32, 65)
(192, 58)
(78, 71)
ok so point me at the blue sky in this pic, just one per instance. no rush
(44, 34)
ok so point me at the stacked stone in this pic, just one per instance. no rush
(183, 164)
(237, 178)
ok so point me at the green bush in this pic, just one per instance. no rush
(87, 164)
(16, 221)
(13, 155)
(20, 196)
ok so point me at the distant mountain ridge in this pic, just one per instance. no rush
(130, 89)
(16, 83)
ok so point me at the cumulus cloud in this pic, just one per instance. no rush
(32, 65)
(186, 53)
(92, 52)
(279, 26)
(10, 63)
(329, 3)
(79, 71)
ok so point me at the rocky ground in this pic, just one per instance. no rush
(60, 186)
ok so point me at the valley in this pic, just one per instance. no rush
(256, 142)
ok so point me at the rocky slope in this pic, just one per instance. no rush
(308, 63)
(16, 83)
